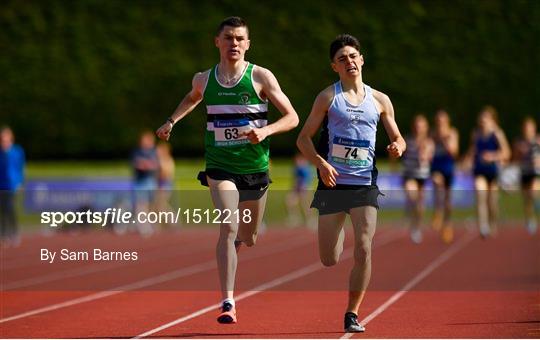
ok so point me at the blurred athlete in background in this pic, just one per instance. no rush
(527, 155)
(446, 141)
(488, 150)
(416, 162)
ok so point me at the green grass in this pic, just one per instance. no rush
(186, 171)
(185, 178)
(65, 169)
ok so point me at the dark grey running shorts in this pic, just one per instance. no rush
(344, 197)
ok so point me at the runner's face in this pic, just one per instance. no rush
(348, 62)
(442, 120)
(485, 121)
(421, 127)
(147, 141)
(233, 42)
(529, 129)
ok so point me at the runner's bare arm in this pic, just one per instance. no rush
(505, 152)
(190, 101)
(428, 151)
(305, 143)
(452, 144)
(266, 84)
(397, 144)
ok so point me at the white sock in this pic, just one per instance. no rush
(228, 300)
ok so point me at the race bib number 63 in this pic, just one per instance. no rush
(229, 132)
(350, 151)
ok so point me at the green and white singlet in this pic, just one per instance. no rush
(230, 111)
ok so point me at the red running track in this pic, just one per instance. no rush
(472, 288)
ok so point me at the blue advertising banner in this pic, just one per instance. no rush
(76, 193)
(100, 193)
(391, 185)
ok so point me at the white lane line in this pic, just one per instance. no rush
(198, 268)
(456, 247)
(265, 286)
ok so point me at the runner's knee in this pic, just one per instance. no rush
(362, 250)
(228, 230)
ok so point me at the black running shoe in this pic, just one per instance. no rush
(351, 323)
(228, 314)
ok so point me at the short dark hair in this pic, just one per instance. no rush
(233, 22)
(343, 40)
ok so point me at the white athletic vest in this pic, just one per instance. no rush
(348, 138)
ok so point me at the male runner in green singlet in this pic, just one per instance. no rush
(236, 95)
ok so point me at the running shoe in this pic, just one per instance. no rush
(228, 313)
(437, 222)
(485, 231)
(531, 226)
(416, 236)
(351, 324)
(447, 234)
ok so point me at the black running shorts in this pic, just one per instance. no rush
(344, 197)
(251, 187)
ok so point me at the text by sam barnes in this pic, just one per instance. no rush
(86, 255)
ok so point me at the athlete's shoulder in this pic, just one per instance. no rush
(261, 74)
(329, 92)
(499, 133)
(382, 101)
(17, 147)
(259, 69)
(380, 96)
(18, 150)
(326, 96)
(202, 76)
(200, 79)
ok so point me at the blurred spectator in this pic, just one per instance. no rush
(12, 162)
(298, 201)
(145, 166)
(527, 155)
(165, 176)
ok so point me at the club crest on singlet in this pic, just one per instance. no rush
(244, 98)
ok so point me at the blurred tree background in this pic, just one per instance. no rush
(81, 79)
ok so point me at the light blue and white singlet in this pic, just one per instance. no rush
(348, 138)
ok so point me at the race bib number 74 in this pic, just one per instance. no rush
(229, 132)
(350, 151)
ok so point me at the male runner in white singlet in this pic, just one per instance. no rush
(349, 111)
